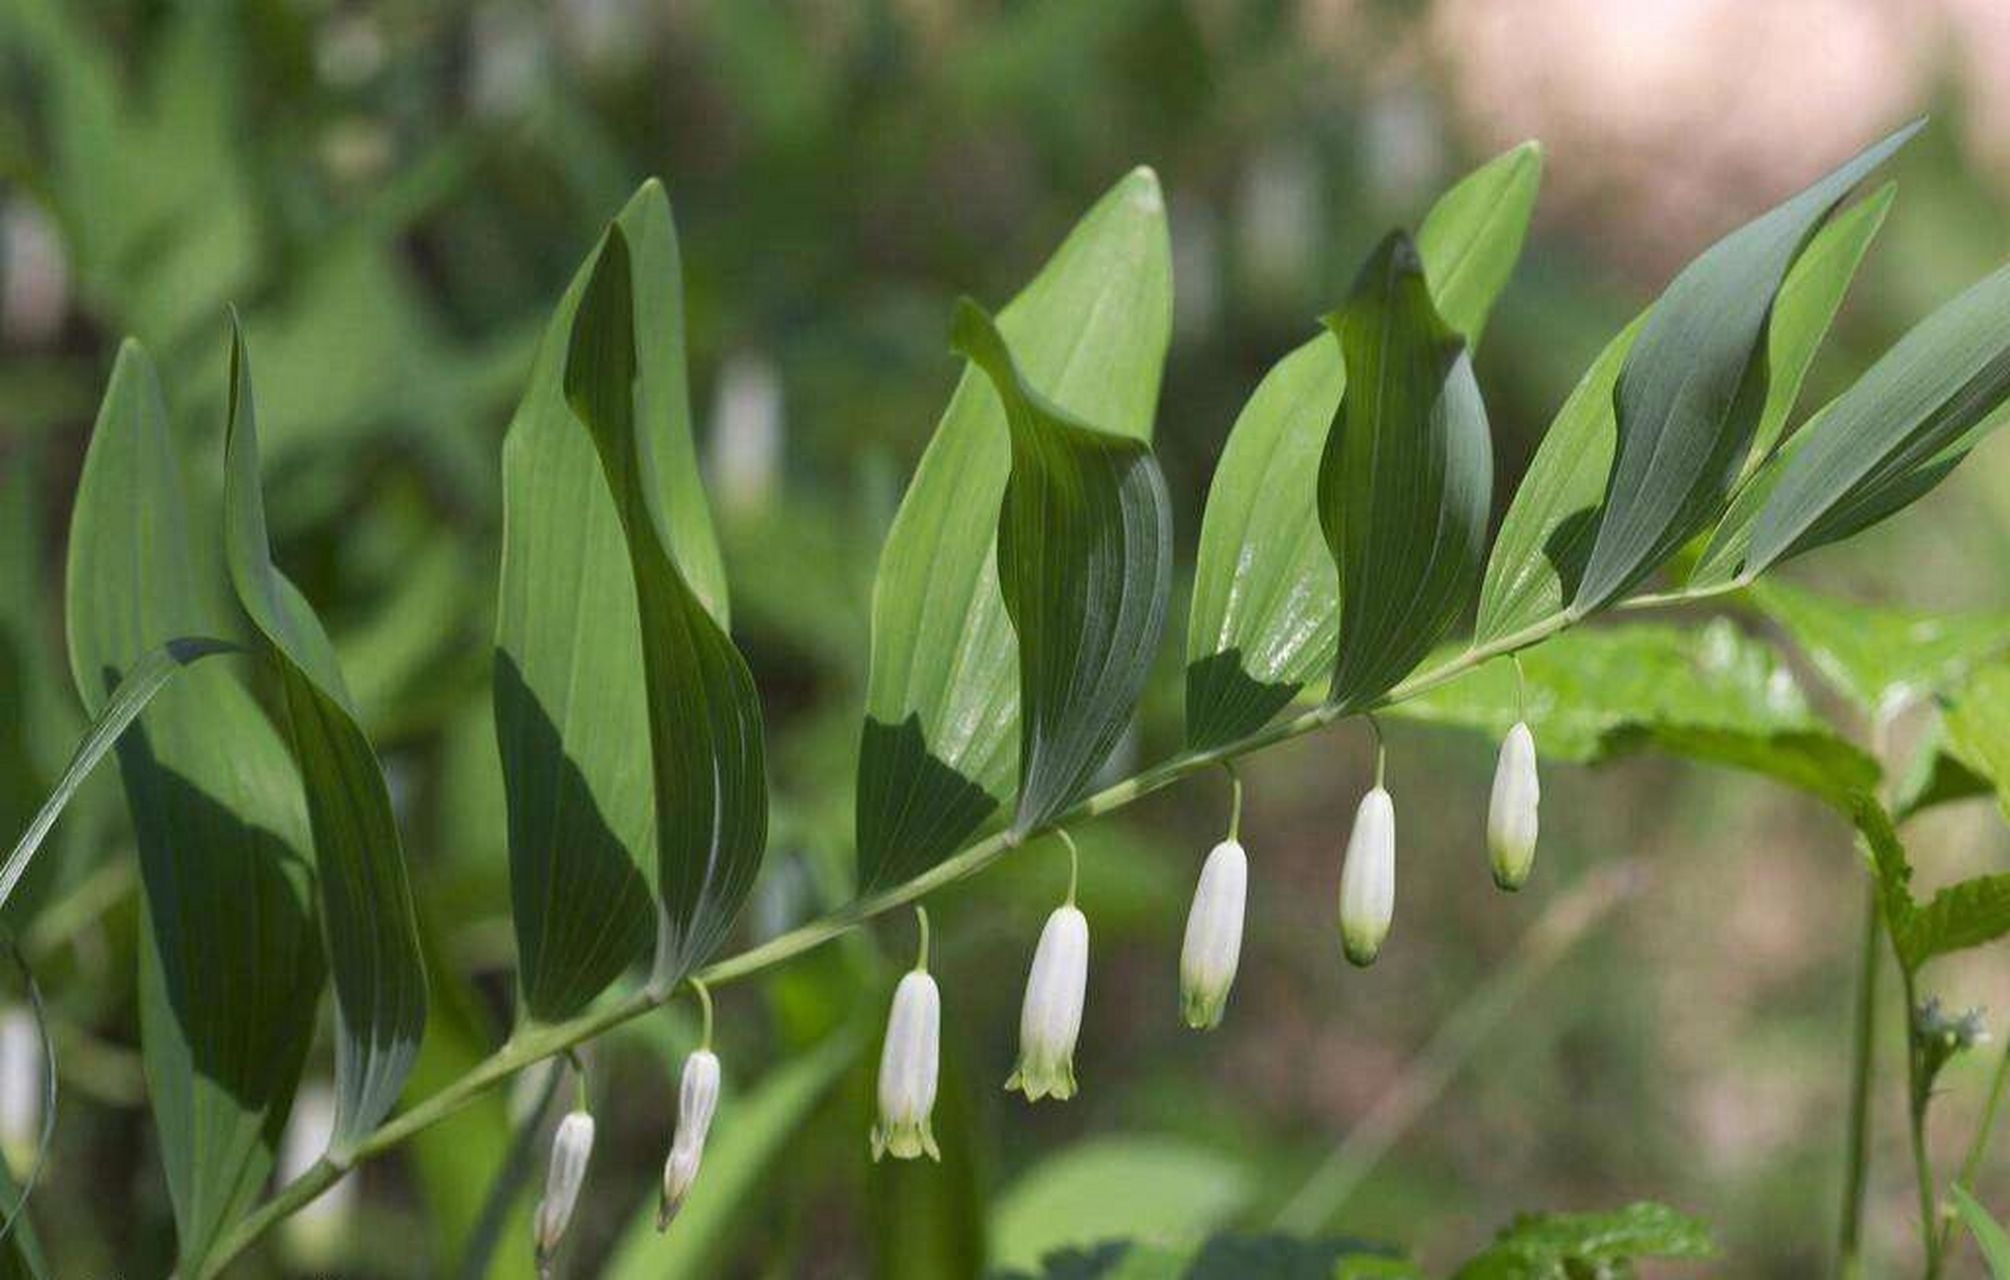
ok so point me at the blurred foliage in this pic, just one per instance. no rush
(394, 194)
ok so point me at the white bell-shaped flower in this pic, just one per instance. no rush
(1213, 945)
(697, 1101)
(1511, 814)
(1368, 878)
(571, 1148)
(1051, 1017)
(909, 1063)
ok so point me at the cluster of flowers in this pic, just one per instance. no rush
(1050, 1018)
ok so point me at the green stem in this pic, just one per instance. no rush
(705, 1012)
(1234, 801)
(533, 1042)
(1916, 1104)
(1850, 1235)
(1074, 862)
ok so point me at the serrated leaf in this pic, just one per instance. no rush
(1990, 1237)
(1553, 1246)
(1976, 718)
(1692, 391)
(1871, 654)
(1895, 433)
(1405, 478)
(366, 899)
(1713, 694)
(706, 753)
(1962, 915)
(942, 703)
(1085, 567)
(230, 968)
(1266, 599)
(570, 693)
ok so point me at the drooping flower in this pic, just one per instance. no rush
(909, 1063)
(1051, 1017)
(697, 1100)
(1213, 947)
(571, 1148)
(1511, 814)
(1368, 878)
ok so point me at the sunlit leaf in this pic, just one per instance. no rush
(1085, 566)
(1266, 600)
(366, 899)
(1405, 478)
(937, 754)
(570, 696)
(1872, 654)
(1976, 718)
(1552, 1246)
(230, 965)
(706, 754)
(1695, 385)
(1966, 914)
(1160, 1189)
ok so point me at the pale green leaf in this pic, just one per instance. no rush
(1692, 391)
(1266, 601)
(1556, 1246)
(1872, 655)
(1966, 914)
(229, 941)
(1160, 1190)
(942, 702)
(570, 693)
(1976, 716)
(706, 752)
(366, 898)
(1405, 479)
(1085, 567)
(1989, 1235)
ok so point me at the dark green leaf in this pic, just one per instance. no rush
(21, 1249)
(705, 746)
(1895, 433)
(1266, 599)
(1695, 386)
(570, 694)
(1085, 566)
(230, 966)
(1873, 654)
(366, 900)
(1989, 1236)
(1405, 478)
(942, 703)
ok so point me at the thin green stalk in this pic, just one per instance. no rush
(533, 1042)
(1915, 1111)
(1849, 1252)
(1978, 1145)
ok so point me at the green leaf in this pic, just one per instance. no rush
(228, 935)
(1545, 538)
(1085, 566)
(570, 693)
(1405, 479)
(942, 705)
(1472, 236)
(1715, 695)
(1962, 915)
(1890, 868)
(366, 901)
(1895, 433)
(1976, 718)
(1555, 1246)
(1937, 777)
(756, 1129)
(1164, 1190)
(21, 1255)
(1989, 1237)
(1266, 600)
(706, 753)
(1693, 389)
(1871, 655)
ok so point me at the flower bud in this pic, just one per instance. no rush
(1511, 814)
(907, 1070)
(570, 1150)
(697, 1099)
(1213, 935)
(1051, 1016)
(1368, 879)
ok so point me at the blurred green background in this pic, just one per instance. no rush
(395, 193)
